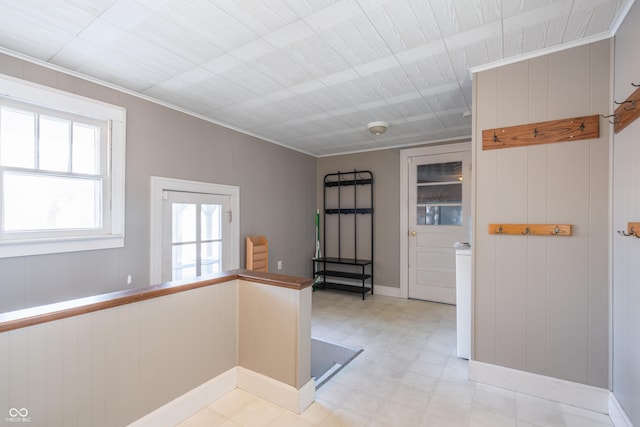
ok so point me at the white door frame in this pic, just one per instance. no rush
(158, 186)
(405, 155)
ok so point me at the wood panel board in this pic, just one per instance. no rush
(627, 112)
(563, 130)
(531, 229)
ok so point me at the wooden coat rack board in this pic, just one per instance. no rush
(573, 129)
(627, 112)
(531, 229)
(633, 229)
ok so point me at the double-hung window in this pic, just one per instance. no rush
(61, 171)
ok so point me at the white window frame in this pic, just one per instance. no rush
(158, 186)
(32, 93)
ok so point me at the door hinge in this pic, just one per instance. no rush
(229, 216)
(165, 195)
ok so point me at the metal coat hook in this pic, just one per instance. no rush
(582, 126)
(495, 137)
(556, 231)
(500, 230)
(526, 231)
(628, 101)
(631, 233)
(615, 118)
(535, 133)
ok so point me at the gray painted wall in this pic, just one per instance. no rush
(277, 195)
(385, 165)
(626, 208)
(541, 303)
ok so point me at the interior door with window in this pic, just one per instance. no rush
(195, 229)
(439, 203)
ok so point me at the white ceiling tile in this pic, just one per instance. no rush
(75, 53)
(252, 50)
(289, 34)
(489, 31)
(102, 33)
(307, 87)
(422, 52)
(340, 77)
(197, 16)
(333, 15)
(222, 63)
(356, 41)
(445, 15)
(282, 69)
(377, 65)
(126, 14)
(316, 56)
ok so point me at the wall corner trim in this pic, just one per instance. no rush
(562, 391)
(275, 391)
(617, 413)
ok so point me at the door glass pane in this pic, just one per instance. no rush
(211, 217)
(183, 261)
(17, 138)
(211, 257)
(439, 215)
(440, 172)
(440, 193)
(184, 222)
(40, 202)
(54, 144)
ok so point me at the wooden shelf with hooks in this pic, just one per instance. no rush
(633, 229)
(572, 129)
(627, 112)
(531, 229)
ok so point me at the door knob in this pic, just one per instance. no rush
(413, 234)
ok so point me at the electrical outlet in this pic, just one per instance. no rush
(279, 265)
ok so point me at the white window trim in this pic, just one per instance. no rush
(158, 186)
(33, 93)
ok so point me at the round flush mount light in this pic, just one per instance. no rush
(378, 128)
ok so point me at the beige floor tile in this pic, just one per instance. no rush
(257, 414)
(204, 418)
(288, 419)
(233, 402)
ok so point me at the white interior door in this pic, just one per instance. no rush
(439, 203)
(195, 235)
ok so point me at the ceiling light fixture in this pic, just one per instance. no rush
(378, 128)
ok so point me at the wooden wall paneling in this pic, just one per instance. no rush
(568, 291)
(65, 393)
(511, 277)
(510, 188)
(485, 172)
(55, 380)
(4, 371)
(37, 367)
(537, 165)
(83, 368)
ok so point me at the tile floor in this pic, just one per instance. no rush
(407, 376)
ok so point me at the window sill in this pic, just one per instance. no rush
(11, 249)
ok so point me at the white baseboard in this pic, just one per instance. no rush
(562, 391)
(386, 291)
(193, 401)
(617, 414)
(275, 391)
